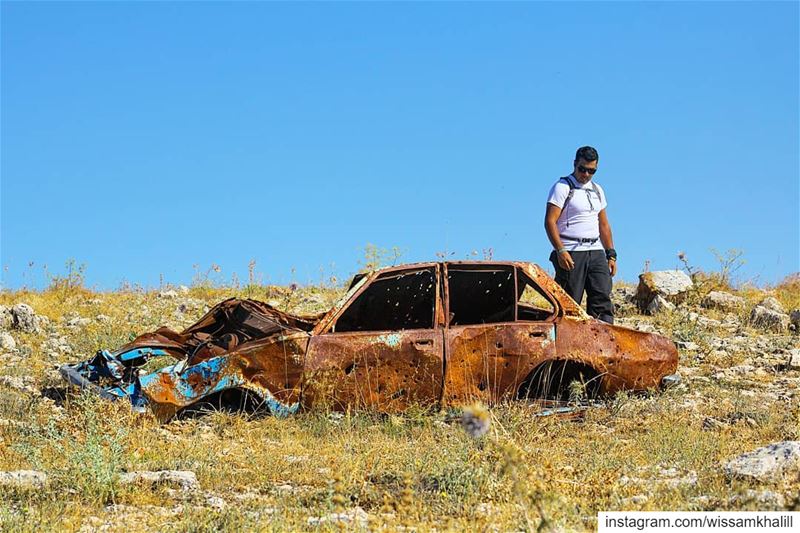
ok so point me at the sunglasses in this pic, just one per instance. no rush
(591, 171)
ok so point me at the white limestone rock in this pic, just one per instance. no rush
(7, 342)
(793, 362)
(772, 303)
(624, 294)
(26, 320)
(6, 318)
(356, 517)
(669, 477)
(186, 480)
(672, 285)
(57, 344)
(723, 300)
(689, 346)
(769, 463)
(768, 319)
(215, 502)
(675, 478)
(659, 304)
(768, 498)
(18, 383)
(23, 479)
(78, 322)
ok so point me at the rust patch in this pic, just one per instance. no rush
(382, 372)
(625, 358)
(489, 363)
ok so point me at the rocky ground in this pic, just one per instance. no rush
(726, 438)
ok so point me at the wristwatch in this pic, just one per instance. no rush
(611, 254)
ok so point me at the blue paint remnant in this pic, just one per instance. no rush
(209, 377)
(136, 353)
(115, 367)
(278, 409)
(551, 337)
(106, 365)
(392, 340)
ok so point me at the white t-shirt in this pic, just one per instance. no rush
(579, 219)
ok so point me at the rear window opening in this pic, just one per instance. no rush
(394, 301)
(486, 295)
(480, 295)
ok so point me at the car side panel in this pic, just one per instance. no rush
(385, 371)
(277, 366)
(625, 358)
(272, 367)
(489, 362)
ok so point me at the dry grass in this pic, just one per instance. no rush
(420, 469)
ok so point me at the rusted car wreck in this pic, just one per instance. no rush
(425, 334)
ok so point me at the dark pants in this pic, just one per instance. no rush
(590, 273)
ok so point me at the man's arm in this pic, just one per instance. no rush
(607, 239)
(550, 226)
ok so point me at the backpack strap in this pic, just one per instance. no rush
(597, 192)
(569, 196)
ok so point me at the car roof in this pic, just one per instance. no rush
(407, 266)
(537, 273)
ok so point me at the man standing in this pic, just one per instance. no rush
(577, 226)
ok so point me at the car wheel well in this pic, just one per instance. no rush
(560, 379)
(234, 400)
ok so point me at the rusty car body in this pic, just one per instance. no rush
(431, 334)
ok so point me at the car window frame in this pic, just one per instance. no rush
(328, 324)
(473, 267)
(542, 291)
(488, 266)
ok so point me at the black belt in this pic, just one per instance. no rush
(578, 239)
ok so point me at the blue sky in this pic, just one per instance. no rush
(141, 139)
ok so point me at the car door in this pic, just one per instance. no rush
(490, 349)
(384, 348)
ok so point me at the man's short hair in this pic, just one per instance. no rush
(587, 153)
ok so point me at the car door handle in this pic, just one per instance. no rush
(538, 334)
(424, 342)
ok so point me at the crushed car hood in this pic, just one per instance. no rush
(227, 326)
(230, 327)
